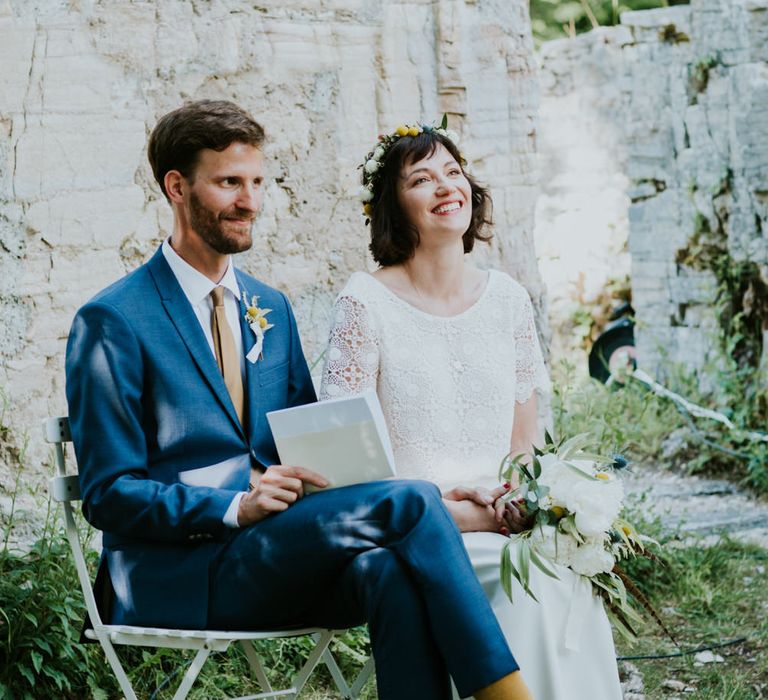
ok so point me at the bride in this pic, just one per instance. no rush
(453, 354)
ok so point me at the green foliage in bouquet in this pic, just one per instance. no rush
(574, 502)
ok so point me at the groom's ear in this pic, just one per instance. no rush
(174, 183)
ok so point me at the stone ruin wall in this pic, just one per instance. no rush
(684, 94)
(83, 82)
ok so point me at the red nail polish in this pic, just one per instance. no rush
(504, 532)
(506, 484)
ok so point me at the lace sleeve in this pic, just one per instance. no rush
(352, 355)
(529, 364)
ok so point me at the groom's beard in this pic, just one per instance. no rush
(209, 227)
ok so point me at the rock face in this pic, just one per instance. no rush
(684, 94)
(84, 81)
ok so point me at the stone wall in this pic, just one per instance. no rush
(688, 88)
(83, 82)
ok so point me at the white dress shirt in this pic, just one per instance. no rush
(197, 288)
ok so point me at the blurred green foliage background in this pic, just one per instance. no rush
(554, 19)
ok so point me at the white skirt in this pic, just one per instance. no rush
(563, 643)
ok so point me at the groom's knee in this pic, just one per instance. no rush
(413, 500)
(415, 494)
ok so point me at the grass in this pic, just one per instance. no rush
(707, 595)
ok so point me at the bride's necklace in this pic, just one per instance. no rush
(424, 303)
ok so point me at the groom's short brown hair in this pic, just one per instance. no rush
(180, 135)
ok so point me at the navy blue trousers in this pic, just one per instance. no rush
(385, 553)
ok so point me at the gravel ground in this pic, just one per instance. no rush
(700, 508)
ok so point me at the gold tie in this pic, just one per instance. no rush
(226, 353)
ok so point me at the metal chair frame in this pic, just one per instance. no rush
(65, 489)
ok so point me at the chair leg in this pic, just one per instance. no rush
(362, 678)
(322, 640)
(336, 674)
(254, 661)
(192, 673)
(117, 667)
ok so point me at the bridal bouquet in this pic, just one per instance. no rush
(574, 501)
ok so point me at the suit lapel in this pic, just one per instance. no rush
(183, 317)
(252, 369)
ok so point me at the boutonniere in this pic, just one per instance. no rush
(256, 318)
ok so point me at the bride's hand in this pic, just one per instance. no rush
(512, 515)
(473, 509)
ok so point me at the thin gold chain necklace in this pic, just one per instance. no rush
(424, 304)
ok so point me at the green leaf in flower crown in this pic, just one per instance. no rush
(548, 438)
(444, 122)
(537, 452)
(536, 468)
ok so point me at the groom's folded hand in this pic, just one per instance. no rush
(274, 491)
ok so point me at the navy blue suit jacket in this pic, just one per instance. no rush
(147, 404)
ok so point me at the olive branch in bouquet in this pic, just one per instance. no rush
(574, 501)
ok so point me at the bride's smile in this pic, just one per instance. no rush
(448, 208)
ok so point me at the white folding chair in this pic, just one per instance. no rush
(65, 489)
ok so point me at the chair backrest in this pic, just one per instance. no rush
(64, 489)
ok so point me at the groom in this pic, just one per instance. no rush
(167, 400)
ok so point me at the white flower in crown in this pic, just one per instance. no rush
(365, 194)
(256, 318)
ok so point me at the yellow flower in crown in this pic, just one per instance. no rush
(256, 318)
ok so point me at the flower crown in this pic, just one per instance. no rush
(375, 159)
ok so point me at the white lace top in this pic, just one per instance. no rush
(447, 385)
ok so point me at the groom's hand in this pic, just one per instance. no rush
(274, 491)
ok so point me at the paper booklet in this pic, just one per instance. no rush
(345, 440)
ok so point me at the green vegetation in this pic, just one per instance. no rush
(741, 310)
(554, 19)
(706, 595)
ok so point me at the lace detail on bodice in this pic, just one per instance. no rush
(447, 385)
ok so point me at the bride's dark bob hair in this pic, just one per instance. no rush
(394, 239)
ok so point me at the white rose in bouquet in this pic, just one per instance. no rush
(596, 505)
(591, 558)
(555, 545)
(561, 478)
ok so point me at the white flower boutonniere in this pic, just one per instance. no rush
(257, 320)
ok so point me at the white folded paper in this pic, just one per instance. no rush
(345, 440)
